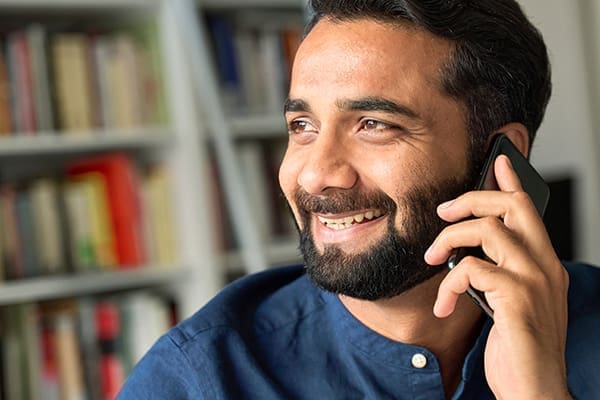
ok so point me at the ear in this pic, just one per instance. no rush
(518, 135)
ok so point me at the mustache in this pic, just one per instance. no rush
(340, 201)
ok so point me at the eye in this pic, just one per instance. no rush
(374, 125)
(379, 132)
(299, 126)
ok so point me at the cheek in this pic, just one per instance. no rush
(393, 175)
(396, 176)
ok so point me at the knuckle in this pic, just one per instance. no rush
(520, 198)
(471, 262)
(491, 223)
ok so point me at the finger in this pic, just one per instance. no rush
(488, 203)
(489, 233)
(506, 176)
(471, 271)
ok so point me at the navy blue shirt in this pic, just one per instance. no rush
(274, 335)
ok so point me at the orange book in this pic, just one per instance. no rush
(122, 189)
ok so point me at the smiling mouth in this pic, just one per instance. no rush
(347, 222)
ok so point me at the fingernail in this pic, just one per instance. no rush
(429, 250)
(508, 161)
(446, 204)
(435, 308)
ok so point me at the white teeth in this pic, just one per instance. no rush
(346, 222)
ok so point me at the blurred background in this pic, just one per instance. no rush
(139, 148)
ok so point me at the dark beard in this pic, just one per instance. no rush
(395, 264)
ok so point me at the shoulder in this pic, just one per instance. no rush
(252, 304)
(583, 341)
(584, 288)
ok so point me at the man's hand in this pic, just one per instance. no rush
(523, 281)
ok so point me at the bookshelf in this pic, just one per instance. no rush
(208, 162)
(171, 141)
(251, 44)
(163, 146)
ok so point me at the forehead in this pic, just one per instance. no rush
(369, 56)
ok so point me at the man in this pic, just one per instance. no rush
(392, 106)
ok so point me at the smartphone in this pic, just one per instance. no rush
(531, 181)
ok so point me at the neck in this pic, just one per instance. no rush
(408, 318)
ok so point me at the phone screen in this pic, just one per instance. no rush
(532, 183)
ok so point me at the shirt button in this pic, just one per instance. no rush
(419, 361)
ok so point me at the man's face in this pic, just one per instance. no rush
(374, 146)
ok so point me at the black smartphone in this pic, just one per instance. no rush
(531, 181)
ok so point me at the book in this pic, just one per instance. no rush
(50, 381)
(95, 192)
(226, 60)
(22, 351)
(148, 77)
(47, 227)
(272, 65)
(37, 43)
(29, 250)
(88, 341)
(3, 233)
(144, 318)
(101, 48)
(22, 80)
(160, 236)
(251, 76)
(122, 186)
(5, 101)
(12, 244)
(123, 81)
(78, 213)
(150, 42)
(108, 329)
(72, 81)
(93, 84)
(68, 355)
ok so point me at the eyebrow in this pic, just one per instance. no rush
(363, 104)
(295, 105)
(377, 104)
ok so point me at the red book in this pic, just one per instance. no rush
(111, 368)
(123, 201)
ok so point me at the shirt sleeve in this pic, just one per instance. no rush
(165, 372)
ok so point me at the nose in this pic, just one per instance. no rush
(329, 166)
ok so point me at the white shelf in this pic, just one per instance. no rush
(277, 253)
(76, 142)
(253, 126)
(64, 286)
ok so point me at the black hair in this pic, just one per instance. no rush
(499, 68)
